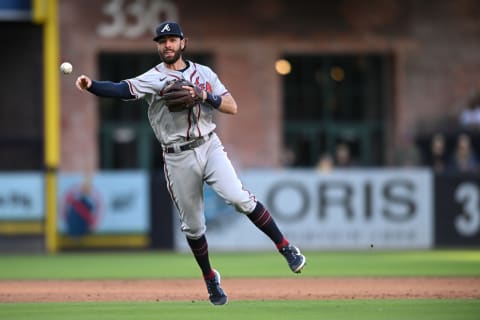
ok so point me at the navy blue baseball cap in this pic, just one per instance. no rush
(168, 29)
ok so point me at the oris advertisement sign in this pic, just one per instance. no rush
(350, 209)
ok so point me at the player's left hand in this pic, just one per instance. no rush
(196, 93)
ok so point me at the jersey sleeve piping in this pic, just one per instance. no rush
(132, 90)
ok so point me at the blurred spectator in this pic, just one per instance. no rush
(343, 156)
(464, 159)
(287, 157)
(470, 116)
(438, 157)
(325, 163)
(407, 154)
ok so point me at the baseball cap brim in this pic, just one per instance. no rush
(166, 34)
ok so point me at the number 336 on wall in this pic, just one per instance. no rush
(132, 19)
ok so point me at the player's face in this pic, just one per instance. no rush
(170, 48)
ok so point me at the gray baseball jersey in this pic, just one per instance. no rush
(186, 171)
(174, 127)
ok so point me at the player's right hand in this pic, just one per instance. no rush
(83, 82)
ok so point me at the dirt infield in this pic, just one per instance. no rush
(240, 289)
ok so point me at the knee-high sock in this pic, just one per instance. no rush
(264, 221)
(199, 249)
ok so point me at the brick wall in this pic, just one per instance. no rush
(435, 46)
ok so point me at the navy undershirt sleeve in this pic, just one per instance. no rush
(111, 89)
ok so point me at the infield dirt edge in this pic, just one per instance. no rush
(296, 288)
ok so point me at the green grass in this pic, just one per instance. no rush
(260, 264)
(244, 310)
(137, 265)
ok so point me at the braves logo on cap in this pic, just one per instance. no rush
(166, 28)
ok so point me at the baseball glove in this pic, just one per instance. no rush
(177, 98)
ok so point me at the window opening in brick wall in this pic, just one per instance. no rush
(333, 102)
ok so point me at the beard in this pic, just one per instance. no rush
(171, 59)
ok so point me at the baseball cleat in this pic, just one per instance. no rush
(296, 260)
(215, 292)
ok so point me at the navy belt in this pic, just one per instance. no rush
(189, 146)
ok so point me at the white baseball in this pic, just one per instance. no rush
(66, 68)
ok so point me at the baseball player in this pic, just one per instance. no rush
(182, 98)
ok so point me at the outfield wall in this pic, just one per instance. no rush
(342, 209)
(352, 209)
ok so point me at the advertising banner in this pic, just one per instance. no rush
(107, 203)
(22, 196)
(350, 209)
